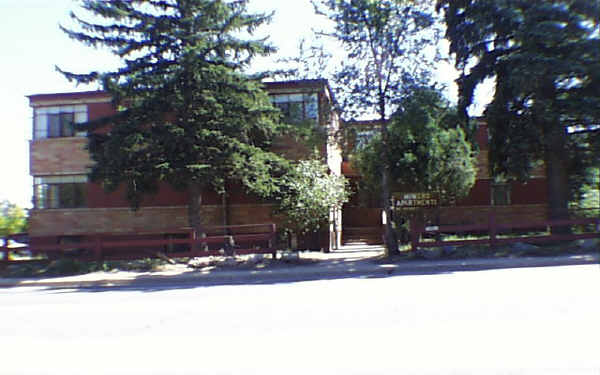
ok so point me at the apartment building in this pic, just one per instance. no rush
(67, 205)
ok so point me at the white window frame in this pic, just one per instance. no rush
(40, 119)
(309, 102)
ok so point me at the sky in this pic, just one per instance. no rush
(32, 45)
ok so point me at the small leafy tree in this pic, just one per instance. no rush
(427, 152)
(189, 115)
(311, 195)
(13, 219)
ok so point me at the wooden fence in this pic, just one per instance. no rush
(493, 233)
(236, 239)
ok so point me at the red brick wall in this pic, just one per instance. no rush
(481, 136)
(361, 216)
(534, 191)
(105, 220)
(166, 196)
(146, 219)
(59, 156)
(99, 110)
(504, 214)
(483, 164)
(478, 196)
(371, 217)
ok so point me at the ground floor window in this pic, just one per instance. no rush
(60, 192)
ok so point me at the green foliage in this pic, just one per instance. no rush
(428, 150)
(189, 115)
(13, 219)
(588, 197)
(545, 58)
(389, 48)
(311, 192)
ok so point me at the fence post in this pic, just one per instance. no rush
(414, 234)
(492, 229)
(97, 248)
(4, 250)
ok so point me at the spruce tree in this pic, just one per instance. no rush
(545, 58)
(389, 49)
(188, 115)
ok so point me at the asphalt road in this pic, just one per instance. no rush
(507, 321)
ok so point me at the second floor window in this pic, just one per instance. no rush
(54, 122)
(60, 125)
(297, 107)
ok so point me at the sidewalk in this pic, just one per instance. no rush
(351, 261)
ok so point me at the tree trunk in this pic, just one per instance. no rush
(195, 213)
(390, 239)
(555, 149)
(557, 175)
(226, 212)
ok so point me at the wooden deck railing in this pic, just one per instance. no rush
(492, 232)
(183, 242)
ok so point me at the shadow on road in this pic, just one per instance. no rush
(369, 268)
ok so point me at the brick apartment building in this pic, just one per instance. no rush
(67, 205)
(510, 202)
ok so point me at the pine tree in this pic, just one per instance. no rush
(545, 58)
(188, 115)
(389, 47)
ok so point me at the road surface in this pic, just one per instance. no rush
(509, 321)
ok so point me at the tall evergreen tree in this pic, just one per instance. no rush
(545, 58)
(386, 44)
(188, 115)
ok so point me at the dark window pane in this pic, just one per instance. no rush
(54, 125)
(61, 125)
(72, 195)
(52, 200)
(66, 123)
(296, 112)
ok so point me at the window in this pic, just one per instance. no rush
(363, 138)
(297, 107)
(60, 192)
(60, 125)
(53, 122)
(500, 194)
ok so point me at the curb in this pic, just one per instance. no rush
(322, 270)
